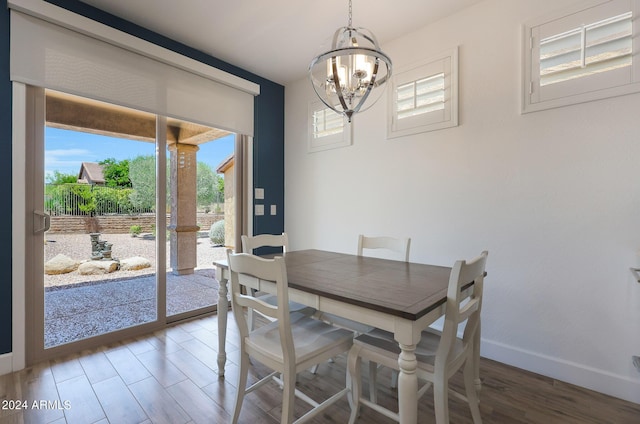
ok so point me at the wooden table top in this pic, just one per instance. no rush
(403, 289)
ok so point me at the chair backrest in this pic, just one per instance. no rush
(244, 267)
(458, 310)
(265, 240)
(400, 246)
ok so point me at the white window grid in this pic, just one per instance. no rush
(326, 123)
(589, 49)
(326, 128)
(579, 54)
(424, 96)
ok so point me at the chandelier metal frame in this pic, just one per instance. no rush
(345, 77)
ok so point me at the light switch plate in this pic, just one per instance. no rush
(259, 210)
(259, 193)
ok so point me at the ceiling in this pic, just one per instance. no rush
(275, 39)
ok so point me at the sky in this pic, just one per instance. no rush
(65, 150)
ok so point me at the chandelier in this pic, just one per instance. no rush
(350, 77)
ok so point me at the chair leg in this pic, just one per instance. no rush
(471, 390)
(373, 382)
(394, 379)
(476, 358)
(241, 387)
(288, 396)
(355, 381)
(441, 399)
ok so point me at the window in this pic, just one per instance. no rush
(420, 97)
(590, 49)
(327, 129)
(326, 123)
(581, 55)
(423, 97)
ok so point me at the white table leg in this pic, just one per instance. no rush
(223, 309)
(408, 385)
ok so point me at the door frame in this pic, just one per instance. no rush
(16, 360)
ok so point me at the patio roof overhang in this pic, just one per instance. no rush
(75, 113)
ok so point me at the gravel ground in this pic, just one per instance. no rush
(78, 246)
(80, 306)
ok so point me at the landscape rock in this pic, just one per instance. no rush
(97, 267)
(135, 263)
(60, 264)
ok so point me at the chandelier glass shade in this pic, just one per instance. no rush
(350, 77)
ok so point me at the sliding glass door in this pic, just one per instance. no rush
(116, 197)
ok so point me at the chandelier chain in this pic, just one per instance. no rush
(350, 13)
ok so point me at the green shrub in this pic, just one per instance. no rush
(70, 199)
(113, 200)
(135, 230)
(85, 200)
(216, 233)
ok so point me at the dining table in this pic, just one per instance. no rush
(403, 298)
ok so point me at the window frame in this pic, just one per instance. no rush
(332, 141)
(593, 87)
(445, 63)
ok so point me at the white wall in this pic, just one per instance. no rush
(554, 196)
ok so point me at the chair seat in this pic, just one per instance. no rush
(272, 299)
(311, 338)
(382, 343)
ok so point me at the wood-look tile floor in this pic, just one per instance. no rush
(170, 377)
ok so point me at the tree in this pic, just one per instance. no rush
(142, 173)
(116, 173)
(61, 178)
(220, 187)
(141, 176)
(209, 186)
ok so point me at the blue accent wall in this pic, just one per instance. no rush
(268, 156)
(5, 189)
(268, 163)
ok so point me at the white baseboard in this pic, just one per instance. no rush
(6, 363)
(593, 379)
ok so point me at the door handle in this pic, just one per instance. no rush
(41, 222)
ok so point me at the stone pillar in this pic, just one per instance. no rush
(183, 228)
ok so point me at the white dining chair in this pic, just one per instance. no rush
(397, 248)
(439, 354)
(249, 244)
(288, 345)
